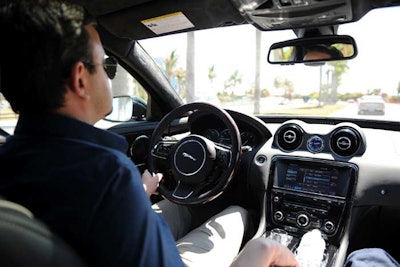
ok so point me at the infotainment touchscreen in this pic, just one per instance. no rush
(319, 180)
(312, 177)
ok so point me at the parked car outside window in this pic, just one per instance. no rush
(371, 104)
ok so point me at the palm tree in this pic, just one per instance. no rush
(339, 68)
(170, 63)
(286, 85)
(211, 73)
(176, 76)
(233, 81)
(180, 75)
(398, 88)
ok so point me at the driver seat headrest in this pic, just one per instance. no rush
(25, 241)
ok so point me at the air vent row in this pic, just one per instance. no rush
(343, 141)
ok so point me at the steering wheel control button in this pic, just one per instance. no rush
(162, 149)
(223, 157)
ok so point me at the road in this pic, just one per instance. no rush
(267, 105)
(392, 113)
(349, 110)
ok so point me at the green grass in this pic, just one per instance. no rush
(313, 110)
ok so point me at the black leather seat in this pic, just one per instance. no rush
(25, 241)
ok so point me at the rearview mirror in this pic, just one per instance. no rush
(313, 50)
(126, 108)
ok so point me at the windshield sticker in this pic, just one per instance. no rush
(168, 23)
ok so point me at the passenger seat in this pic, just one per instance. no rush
(25, 241)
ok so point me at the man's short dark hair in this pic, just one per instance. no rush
(330, 50)
(44, 39)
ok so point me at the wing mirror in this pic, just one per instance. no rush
(127, 108)
(313, 50)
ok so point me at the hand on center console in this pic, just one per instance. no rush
(264, 252)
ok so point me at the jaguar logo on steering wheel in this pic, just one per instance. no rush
(187, 155)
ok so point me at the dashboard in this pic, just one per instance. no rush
(330, 175)
(375, 152)
(308, 173)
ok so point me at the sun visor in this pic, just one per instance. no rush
(289, 14)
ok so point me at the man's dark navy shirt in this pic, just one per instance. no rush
(80, 182)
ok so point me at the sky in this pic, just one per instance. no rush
(233, 48)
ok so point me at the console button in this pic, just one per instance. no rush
(329, 227)
(278, 216)
(303, 220)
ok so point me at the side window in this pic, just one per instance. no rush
(124, 84)
(8, 119)
(129, 100)
(129, 104)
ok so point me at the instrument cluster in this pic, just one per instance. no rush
(222, 136)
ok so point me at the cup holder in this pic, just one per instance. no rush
(280, 236)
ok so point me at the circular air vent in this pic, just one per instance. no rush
(290, 136)
(345, 141)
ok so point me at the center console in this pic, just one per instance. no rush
(305, 194)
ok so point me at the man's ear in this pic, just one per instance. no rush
(78, 80)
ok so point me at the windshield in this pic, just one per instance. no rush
(229, 68)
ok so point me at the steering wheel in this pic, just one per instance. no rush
(196, 170)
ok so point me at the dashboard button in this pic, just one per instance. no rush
(315, 144)
(303, 220)
(278, 216)
(329, 227)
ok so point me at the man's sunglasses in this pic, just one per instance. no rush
(109, 65)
